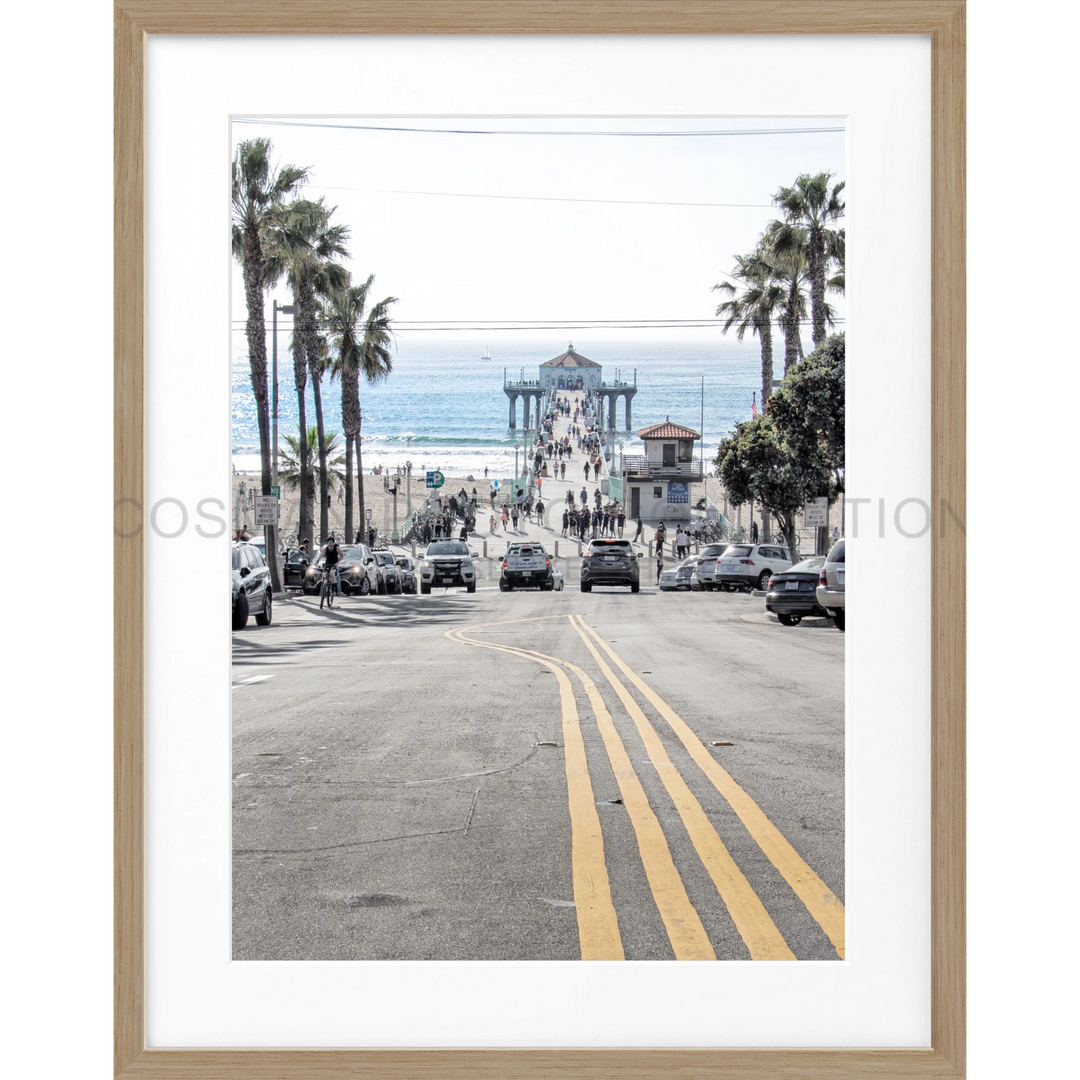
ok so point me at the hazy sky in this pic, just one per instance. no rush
(451, 256)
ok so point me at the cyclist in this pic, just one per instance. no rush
(331, 553)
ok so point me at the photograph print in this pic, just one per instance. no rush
(537, 521)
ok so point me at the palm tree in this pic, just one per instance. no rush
(292, 476)
(810, 204)
(785, 251)
(306, 244)
(754, 309)
(257, 193)
(361, 349)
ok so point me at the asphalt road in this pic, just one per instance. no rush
(413, 782)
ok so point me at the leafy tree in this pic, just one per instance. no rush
(811, 206)
(809, 412)
(258, 190)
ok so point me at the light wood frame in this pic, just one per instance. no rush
(944, 22)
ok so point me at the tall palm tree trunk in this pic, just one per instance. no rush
(324, 489)
(361, 510)
(791, 327)
(765, 334)
(256, 335)
(350, 420)
(300, 379)
(816, 264)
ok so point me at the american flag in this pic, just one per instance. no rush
(753, 407)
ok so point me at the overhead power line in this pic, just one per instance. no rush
(540, 198)
(487, 131)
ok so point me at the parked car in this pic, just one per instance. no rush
(610, 562)
(792, 594)
(448, 564)
(558, 581)
(684, 572)
(387, 573)
(251, 590)
(294, 568)
(408, 573)
(526, 566)
(706, 565)
(667, 582)
(830, 588)
(748, 566)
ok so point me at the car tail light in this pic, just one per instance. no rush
(548, 563)
(823, 579)
(504, 564)
(747, 562)
(772, 582)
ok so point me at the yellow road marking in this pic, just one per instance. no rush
(689, 940)
(753, 922)
(819, 899)
(598, 925)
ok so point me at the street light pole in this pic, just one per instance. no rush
(408, 490)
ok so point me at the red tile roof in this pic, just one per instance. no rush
(668, 430)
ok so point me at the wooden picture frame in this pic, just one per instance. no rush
(944, 22)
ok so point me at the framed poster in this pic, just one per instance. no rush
(947, 30)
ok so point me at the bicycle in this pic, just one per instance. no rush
(329, 586)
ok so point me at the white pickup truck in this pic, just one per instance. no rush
(526, 566)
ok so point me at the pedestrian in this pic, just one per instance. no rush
(622, 521)
(505, 517)
(565, 521)
(485, 472)
(514, 515)
(753, 532)
(539, 511)
(640, 527)
(562, 470)
(584, 497)
(659, 562)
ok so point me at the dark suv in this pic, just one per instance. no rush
(610, 562)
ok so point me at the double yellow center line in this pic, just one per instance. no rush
(597, 920)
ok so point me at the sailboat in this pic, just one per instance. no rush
(487, 353)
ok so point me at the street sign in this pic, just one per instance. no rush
(275, 490)
(367, 512)
(266, 510)
(435, 479)
(816, 513)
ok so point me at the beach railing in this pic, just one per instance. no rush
(410, 531)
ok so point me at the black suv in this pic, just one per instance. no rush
(610, 562)
(251, 589)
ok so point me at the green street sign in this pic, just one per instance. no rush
(275, 490)
(435, 479)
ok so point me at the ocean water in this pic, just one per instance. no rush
(444, 408)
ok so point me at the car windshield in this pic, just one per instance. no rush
(352, 553)
(837, 553)
(236, 562)
(384, 558)
(448, 547)
(808, 566)
(611, 545)
(404, 563)
(735, 551)
(713, 550)
(295, 554)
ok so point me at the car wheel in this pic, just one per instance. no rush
(425, 589)
(265, 617)
(240, 612)
(310, 586)
(365, 586)
(471, 587)
(586, 587)
(763, 580)
(789, 620)
(635, 586)
(838, 618)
